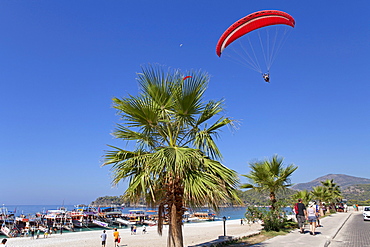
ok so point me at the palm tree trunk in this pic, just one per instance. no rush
(273, 200)
(175, 238)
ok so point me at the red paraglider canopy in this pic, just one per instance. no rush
(252, 22)
(186, 77)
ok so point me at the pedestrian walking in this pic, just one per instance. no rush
(312, 217)
(317, 207)
(144, 230)
(301, 214)
(103, 237)
(241, 222)
(323, 209)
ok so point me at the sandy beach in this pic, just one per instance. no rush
(194, 234)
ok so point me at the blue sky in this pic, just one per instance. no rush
(61, 63)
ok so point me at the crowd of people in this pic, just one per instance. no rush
(312, 213)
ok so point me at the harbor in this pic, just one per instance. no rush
(194, 234)
(38, 220)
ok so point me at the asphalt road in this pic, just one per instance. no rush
(354, 233)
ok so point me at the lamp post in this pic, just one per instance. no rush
(224, 219)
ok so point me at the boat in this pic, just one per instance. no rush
(135, 216)
(109, 215)
(101, 223)
(7, 222)
(68, 227)
(151, 217)
(199, 216)
(6, 231)
(124, 222)
(6, 216)
(56, 218)
(83, 216)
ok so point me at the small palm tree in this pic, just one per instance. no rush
(270, 176)
(175, 163)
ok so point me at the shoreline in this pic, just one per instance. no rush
(193, 234)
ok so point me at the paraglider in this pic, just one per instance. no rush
(266, 77)
(257, 25)
(186, 77)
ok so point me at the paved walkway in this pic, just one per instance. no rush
(332, 225)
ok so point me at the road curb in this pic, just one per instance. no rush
(327, 243)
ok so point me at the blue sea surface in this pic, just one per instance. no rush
(229, 212)
(33, 209)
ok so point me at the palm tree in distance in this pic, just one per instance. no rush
(175, 163)
(270, 176)
(305, 195)
(333, 190)
(321, 194)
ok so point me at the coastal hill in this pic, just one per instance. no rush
(344, 181)
(354, 189)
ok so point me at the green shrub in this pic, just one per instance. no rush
(272, 220)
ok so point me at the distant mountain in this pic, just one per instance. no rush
(342, 180)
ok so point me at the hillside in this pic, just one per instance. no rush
(360, 192)
(251, 197)
(342, 180)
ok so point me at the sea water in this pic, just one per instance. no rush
(231, 213)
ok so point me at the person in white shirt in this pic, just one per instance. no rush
(103, 237)
(311, 217)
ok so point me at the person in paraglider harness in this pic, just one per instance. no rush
(266, 77)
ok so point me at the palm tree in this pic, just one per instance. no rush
(270, 176)
(175, 163)
(333, 190)
(305, 195)
(321, 194)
